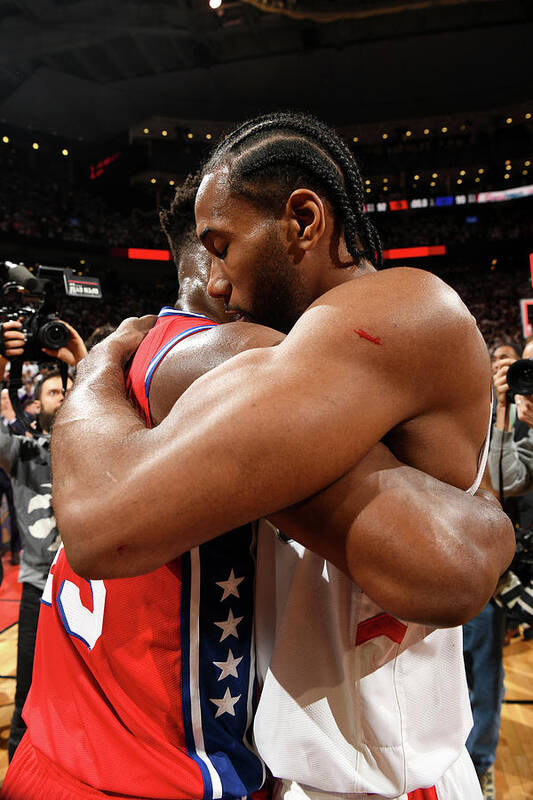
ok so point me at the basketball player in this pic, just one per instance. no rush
(95, 683)
(357, 365)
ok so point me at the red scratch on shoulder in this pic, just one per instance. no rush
(364, 335)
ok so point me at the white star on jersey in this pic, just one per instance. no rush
(226, 704)
(230, 586)
(229, 627)
(229, 666)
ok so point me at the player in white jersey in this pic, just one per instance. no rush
(280, 211)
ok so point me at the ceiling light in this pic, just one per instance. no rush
(385, 188)
(462, 172)
(384, 135)
(426, 131)
(385, 180)
(64, 152)
(146, 130)
(435, 175)
(459, 180)
(444, 129)
(509, 120)
(408, 133)
(215, 4)
(164, 133)
(432, 183)
(35, 145)
(527, 163)
(209, 136)
(508, 167)
(355, 139)
(481, 170)
(478, 180)
(190, 136)
(368, 191)
(416, 177)
(367, 182)
(152, 180)
(171, 183)
(524, 172)
(506, 176)
(528, 115)
(5, 139)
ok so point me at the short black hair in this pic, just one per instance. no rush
(55, 373)
(272, 155)
(178, 221)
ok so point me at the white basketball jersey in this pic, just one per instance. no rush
(353, 701)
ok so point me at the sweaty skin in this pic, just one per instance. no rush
(274, 425)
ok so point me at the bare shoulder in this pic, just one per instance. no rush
(393, 306)
(397, 322)
(198, 354)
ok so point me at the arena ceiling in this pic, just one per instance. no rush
(92, 68)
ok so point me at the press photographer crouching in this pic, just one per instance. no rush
(26, 458)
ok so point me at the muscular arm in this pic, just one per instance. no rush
(412, 543)
(257, 434)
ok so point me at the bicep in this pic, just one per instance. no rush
(272, 427)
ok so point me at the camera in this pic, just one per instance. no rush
(520, 377)
(32, 299)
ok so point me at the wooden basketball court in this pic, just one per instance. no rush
(514, 764)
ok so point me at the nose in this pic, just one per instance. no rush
(218, 285)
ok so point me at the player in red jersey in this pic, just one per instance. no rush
(123, 694)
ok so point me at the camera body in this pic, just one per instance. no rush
(33, 300)
(520, 377)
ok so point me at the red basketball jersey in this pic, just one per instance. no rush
(146, 686)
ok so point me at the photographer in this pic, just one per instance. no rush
(512, 436)
(26, 459)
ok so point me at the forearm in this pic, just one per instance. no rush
(422, 550)
(517, 463)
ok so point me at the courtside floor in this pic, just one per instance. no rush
(514, 765)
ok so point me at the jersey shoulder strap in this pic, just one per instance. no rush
(171, 327)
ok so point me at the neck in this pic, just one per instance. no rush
(193, 298)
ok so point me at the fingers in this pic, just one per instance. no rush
(524, 408)
(14, 338)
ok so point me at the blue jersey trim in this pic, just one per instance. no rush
(156, 360)
(168, 311)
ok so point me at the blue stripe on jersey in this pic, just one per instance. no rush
(226, 676)
(168, 311)
(165, 349)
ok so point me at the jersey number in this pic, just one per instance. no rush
(77, 620)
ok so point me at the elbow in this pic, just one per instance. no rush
(75, 530)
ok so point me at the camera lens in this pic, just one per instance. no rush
(520, 376)
(54, 335)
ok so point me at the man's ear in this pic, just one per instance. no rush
(306, 217)
(37, 406)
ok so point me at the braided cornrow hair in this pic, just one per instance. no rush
(178, 221)
(270, 156)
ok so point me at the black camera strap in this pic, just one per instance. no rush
(500, 459)
(15, 383)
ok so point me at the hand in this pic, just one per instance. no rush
(500, 380)
(74, 350)
(122, 343)
(524, 408)
(14, 339)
